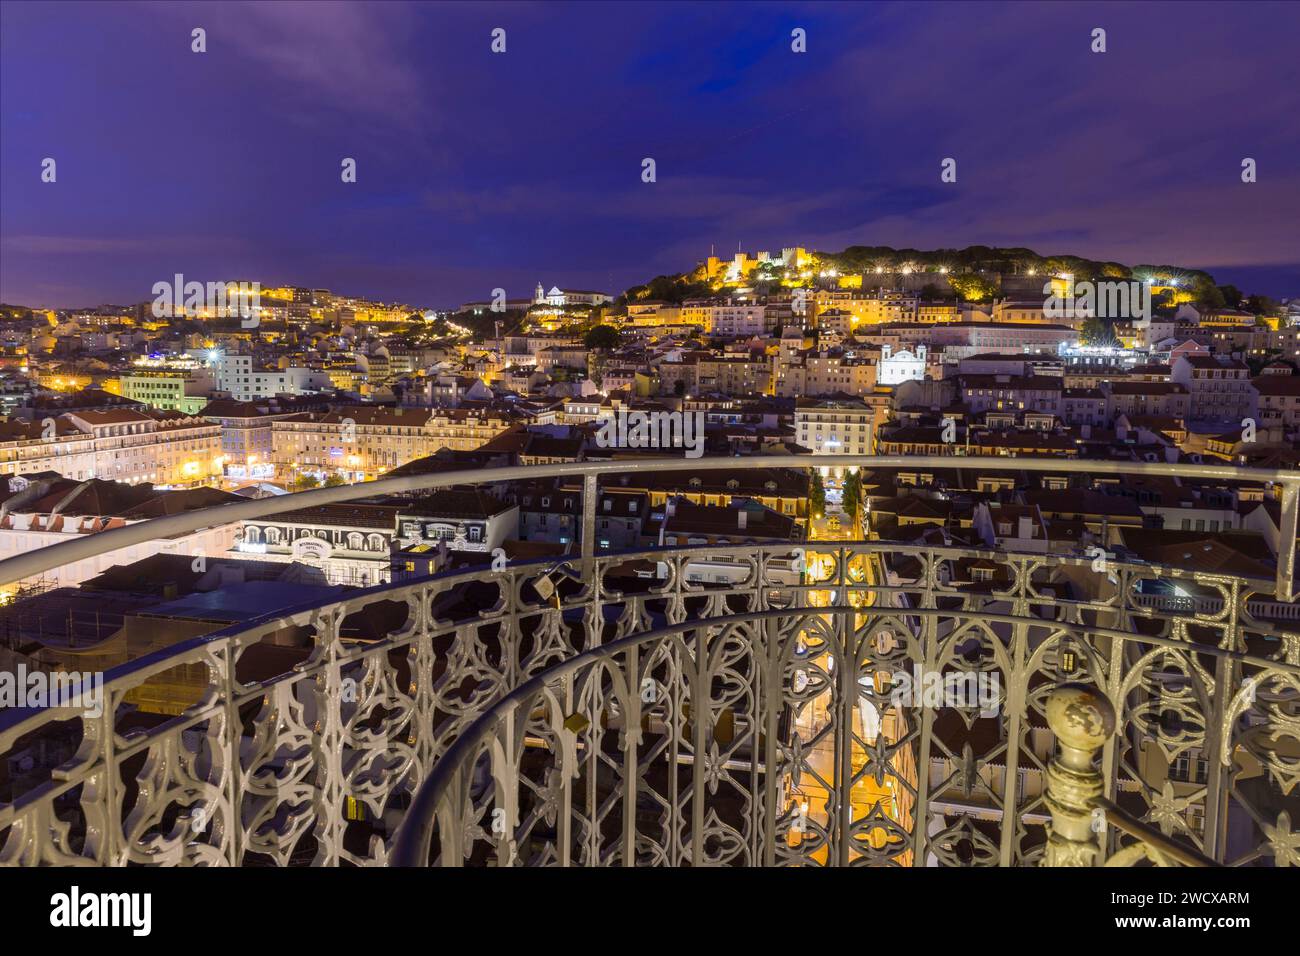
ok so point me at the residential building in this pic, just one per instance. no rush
(1219, 388)
(42, 510)
(834, 426)
(245, 381)
(178, 386)
(350, 544)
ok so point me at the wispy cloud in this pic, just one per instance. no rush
(110, 245)
(332, 58)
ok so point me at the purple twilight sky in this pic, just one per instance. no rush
(477, 170)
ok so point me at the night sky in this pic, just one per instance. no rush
(478, 170)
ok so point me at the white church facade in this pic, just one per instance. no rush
(905, 365)
(561, 297)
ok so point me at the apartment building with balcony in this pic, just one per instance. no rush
(570, 358)
(165, 448)
(851, 309)
(548, 511)
(1161, 399)
(1084, 406)
(245, 380)
(49, 444)
(1219, 388)
(734, 375)
(366, 440)
(522, 349)
(653, 313)
(986, 393)
(182, 389)
(726, 319)
(834, 371)
(834, 426)
(1278, 400)
(117, 444)
(465, 429)
(247, 434)
(918, 439)
(350, 544)
(353, 441)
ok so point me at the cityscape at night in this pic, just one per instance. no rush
(482, 435)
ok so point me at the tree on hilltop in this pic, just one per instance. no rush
(601, 337)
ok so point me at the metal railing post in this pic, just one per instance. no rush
(588, 525)
(1287, 536)
(1083, 720)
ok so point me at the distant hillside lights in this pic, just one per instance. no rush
(654, 430)
(1116, 299)
(214, 300)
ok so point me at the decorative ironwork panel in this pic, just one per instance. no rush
(876, 709)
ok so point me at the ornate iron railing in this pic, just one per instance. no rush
(641, 715)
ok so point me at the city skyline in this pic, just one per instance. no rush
(478, 170)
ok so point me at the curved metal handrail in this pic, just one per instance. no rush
(45, 559)
(1067, 615)
(415, 834)
(221, 649)
(1148, 837)
(159, 659)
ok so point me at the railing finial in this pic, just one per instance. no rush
(1083, 720)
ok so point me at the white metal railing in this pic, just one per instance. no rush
(45, 559)
(1262, 608)
(763, 698)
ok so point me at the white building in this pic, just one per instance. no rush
(904, 365)
(561, 297)
(39, 513)
(460, 520)
(351, 543)
(366, 440)
(834, 426)
(237, 375)
(118, 444)
(726, 319)
(738, 321)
